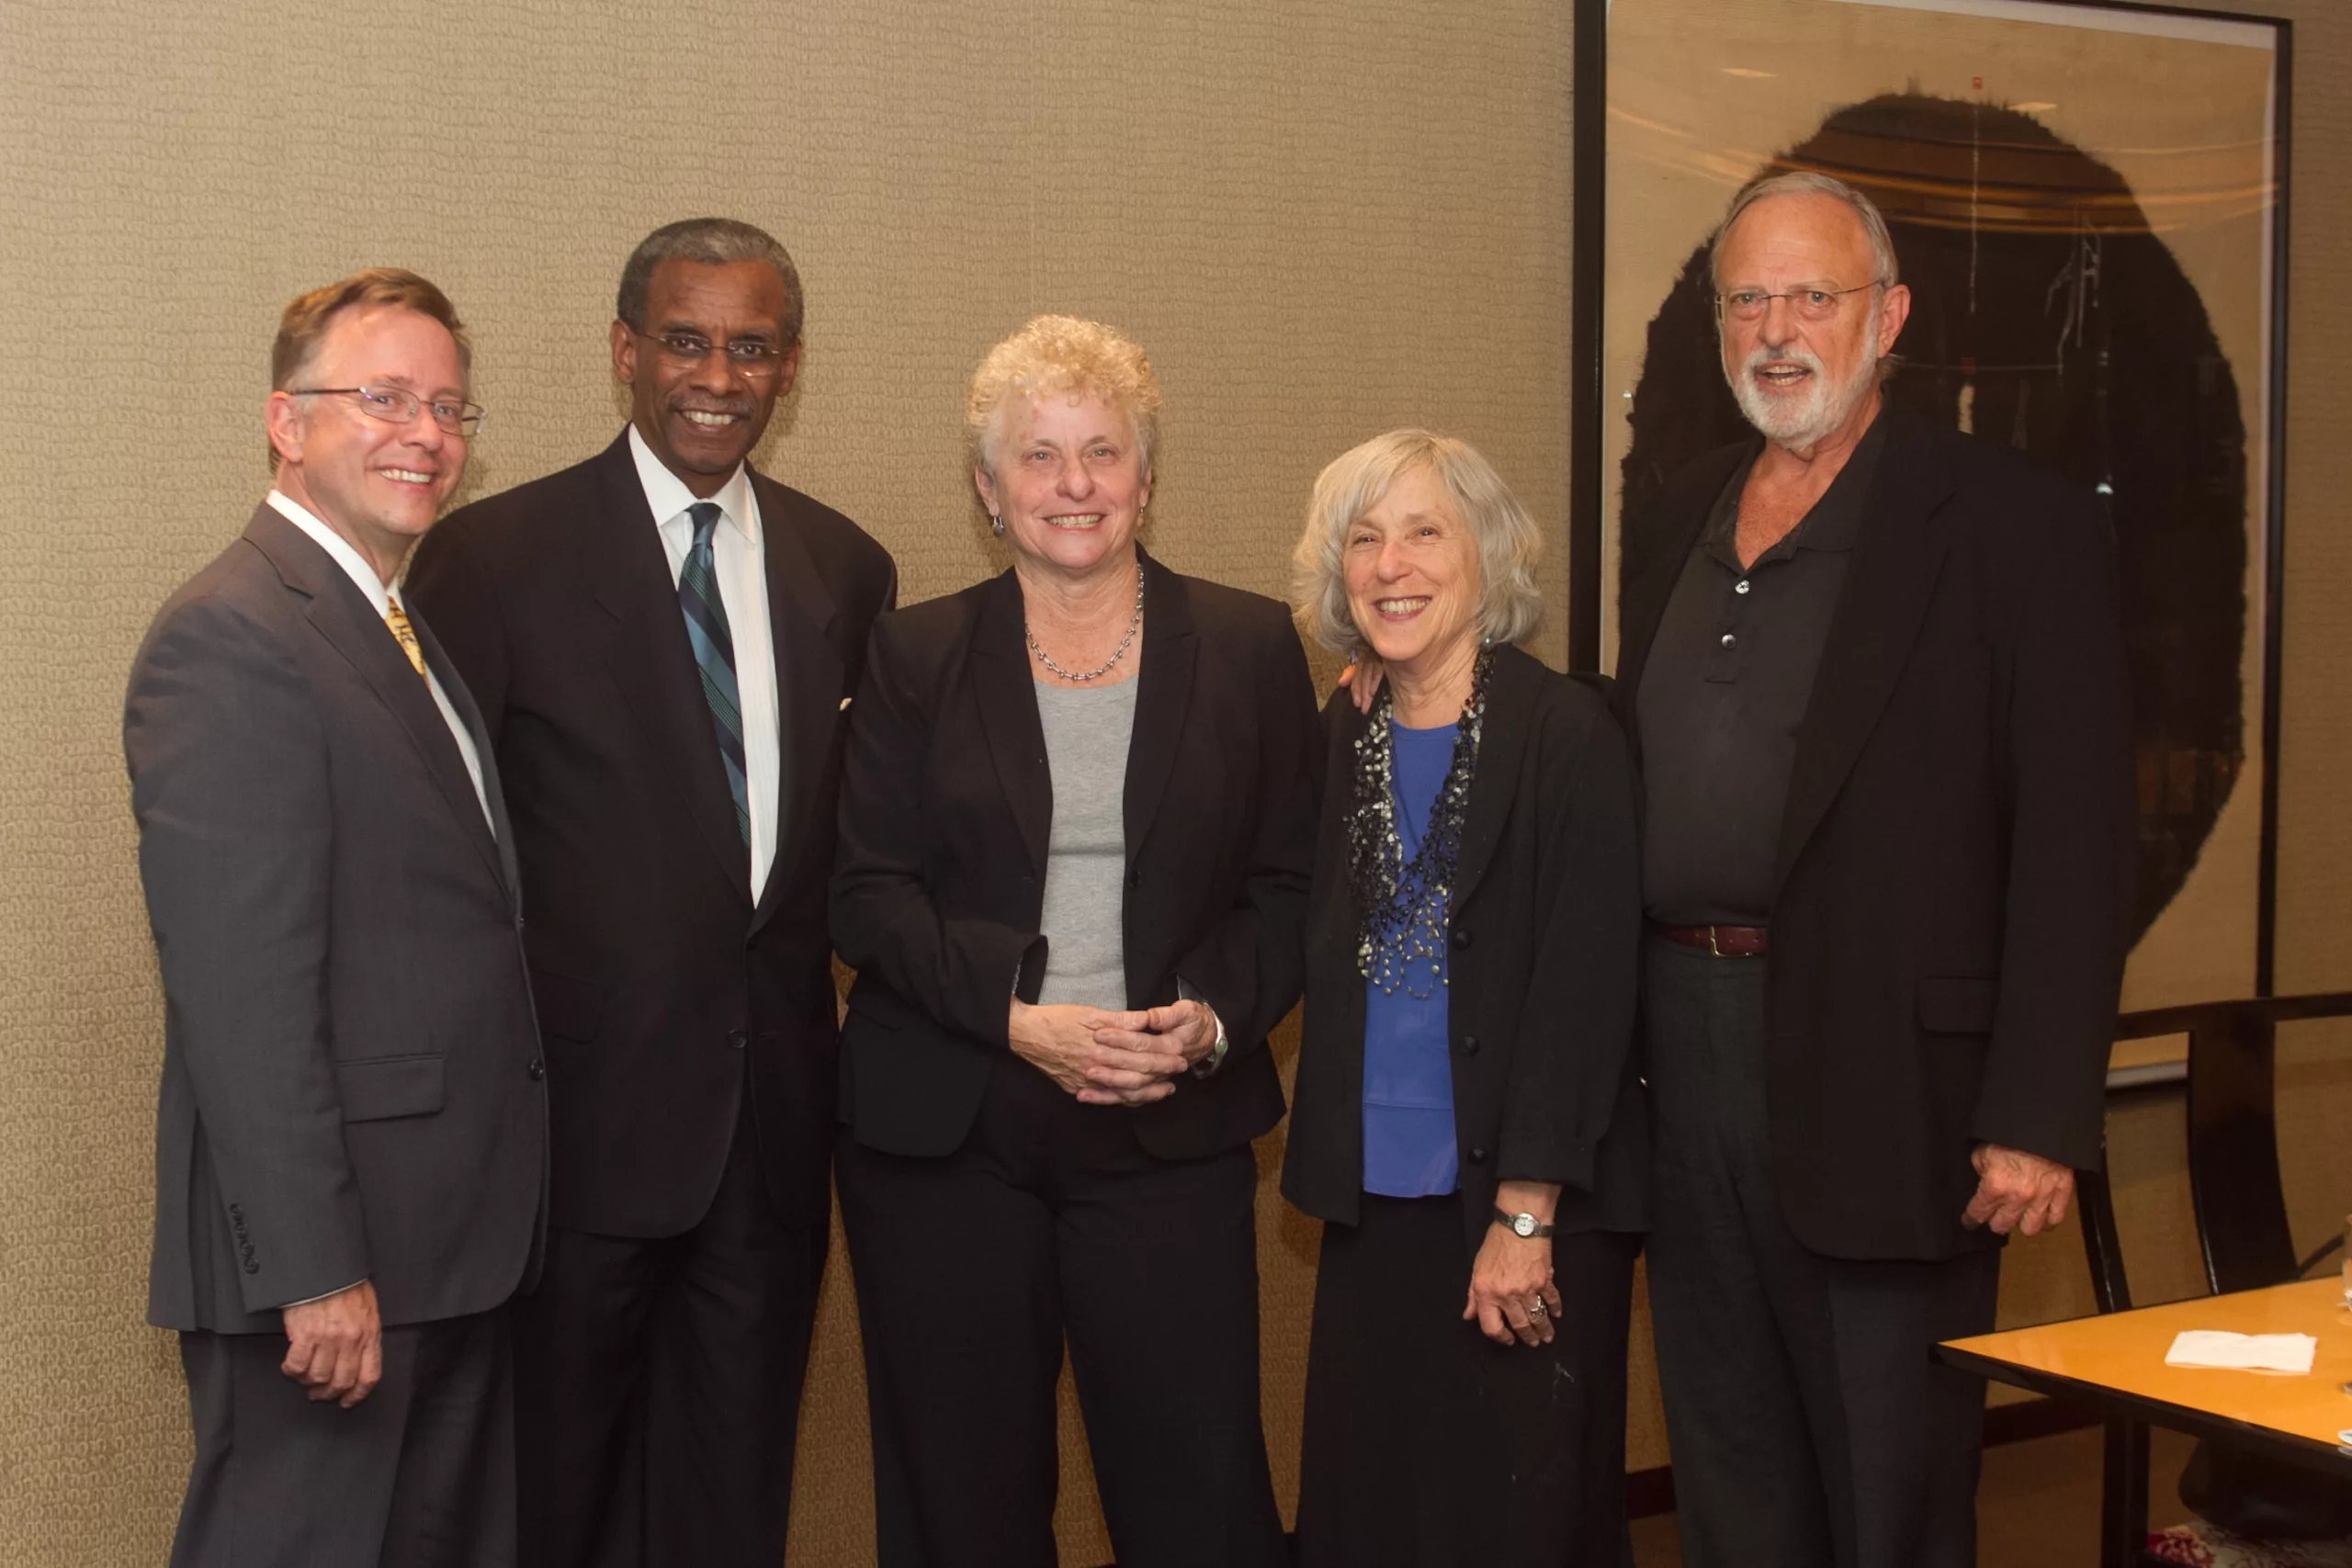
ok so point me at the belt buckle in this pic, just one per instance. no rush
(1713, 948)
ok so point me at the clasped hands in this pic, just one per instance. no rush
(1113, 1059)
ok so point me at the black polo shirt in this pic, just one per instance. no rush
(1728, 682)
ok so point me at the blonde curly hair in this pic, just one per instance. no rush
(1060, 356)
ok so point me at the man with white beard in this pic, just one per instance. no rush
(1875, 683)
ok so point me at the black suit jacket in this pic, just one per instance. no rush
(942, 876)
(654, 970)
(1540, 979)
(1953, 892)
(351, 1086)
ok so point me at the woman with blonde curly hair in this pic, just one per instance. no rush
(1076, 816)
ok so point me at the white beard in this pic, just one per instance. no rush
(1811, 416)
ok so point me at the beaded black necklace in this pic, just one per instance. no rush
(1407, 907)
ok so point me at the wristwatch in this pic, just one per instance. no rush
(1216, 1059)
(1522, 1224)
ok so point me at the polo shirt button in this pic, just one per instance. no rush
(1740, 587)
(1730, 641)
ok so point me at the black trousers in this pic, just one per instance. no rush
(1052, 1220)
(1428, 1445)
(1808, 1421)
(657, 1385)
(419, 1475)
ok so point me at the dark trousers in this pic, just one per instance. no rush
(419, 1475)
(1428, 1445)
(1052, 1220)
(1808, 1422)
(657, 1385)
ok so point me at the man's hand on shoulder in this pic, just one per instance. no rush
(1362, 677)
(2016, 1190)
(334, 1346)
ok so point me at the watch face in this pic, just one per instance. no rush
(1523, 1223)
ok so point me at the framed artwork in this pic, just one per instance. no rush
(2088, 203)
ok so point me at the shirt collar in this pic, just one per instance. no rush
(668, 496)
(338, 549)
(1835, 522)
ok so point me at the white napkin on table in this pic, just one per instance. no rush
(2246, 1353)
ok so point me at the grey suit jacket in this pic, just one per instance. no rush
(352, 1085)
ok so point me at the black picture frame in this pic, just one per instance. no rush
(1593, 402)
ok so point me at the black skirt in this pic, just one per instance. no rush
(1430, 1446)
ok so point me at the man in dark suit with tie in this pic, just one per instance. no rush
(1874, 677)
(351, 1135)
(664, 644)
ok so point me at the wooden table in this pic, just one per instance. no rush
(2115, 1364)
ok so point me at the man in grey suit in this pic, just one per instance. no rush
(351, 1140)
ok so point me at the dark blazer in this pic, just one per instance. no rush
(1541, 981)
(1951, 912)
(654, 970)
(942, 874)
(351, 1083)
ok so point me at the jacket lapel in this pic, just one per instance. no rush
(1009, 716)
(1681, 515)
(345, 617)
(1502, 740)
(809, 677)
(652, 663)
(1878, 619)
(1170, 649)
(485, 754)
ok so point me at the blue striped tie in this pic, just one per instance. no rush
(714, 654)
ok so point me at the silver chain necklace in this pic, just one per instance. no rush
(1118, 653)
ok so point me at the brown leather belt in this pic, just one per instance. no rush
(1724, 941)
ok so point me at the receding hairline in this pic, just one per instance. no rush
(1854, 221)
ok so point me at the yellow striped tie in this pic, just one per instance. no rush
(396, 618)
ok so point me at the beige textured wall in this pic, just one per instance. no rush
(1322, 218)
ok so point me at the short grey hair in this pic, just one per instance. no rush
(706, 241)
(1509, 604)
(1811, 181)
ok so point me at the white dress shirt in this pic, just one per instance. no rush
(355, 566)
(738, 561)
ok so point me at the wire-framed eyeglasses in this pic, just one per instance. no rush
(1810, 304)
(756, 358)
(398, 405)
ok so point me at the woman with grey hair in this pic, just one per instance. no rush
(1077, 814)
(1465, 1120)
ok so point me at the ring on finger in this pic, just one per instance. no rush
(1535, 1308)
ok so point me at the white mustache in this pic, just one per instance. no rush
(1795, 353)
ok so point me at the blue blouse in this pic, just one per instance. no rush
(1408, 1150)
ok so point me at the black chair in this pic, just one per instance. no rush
(2239, 1196)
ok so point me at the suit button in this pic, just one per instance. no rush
(1477, 1154)
(737, 1038)
(1135, 877)
(538, 1069)
(1461, 937)
(1469, 1044)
